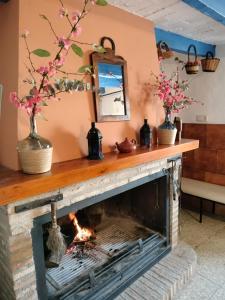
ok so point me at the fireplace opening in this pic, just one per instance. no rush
(109, 243)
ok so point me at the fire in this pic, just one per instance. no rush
(83, 234)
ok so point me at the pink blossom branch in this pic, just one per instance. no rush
(44, 89)
(29, 54)
(71, 73)
(52, 95)
(67, 17)
(81, 16)
(82, 43)
(30, 72)
(51, 27)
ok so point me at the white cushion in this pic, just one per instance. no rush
(203, 189)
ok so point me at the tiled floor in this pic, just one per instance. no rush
(208, 240)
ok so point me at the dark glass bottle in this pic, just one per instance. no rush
(94, 137)
(145, 134)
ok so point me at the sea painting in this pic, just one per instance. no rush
(111, 91)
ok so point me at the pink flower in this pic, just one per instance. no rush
(172, 93)
(30, 103)
(77, 31)
(75, 16)
(60, 61)
(52, 70)
(43, 70)
(45, 82)
(33, 98)
(65, 43)
(13, 98)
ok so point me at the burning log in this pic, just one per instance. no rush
(83, 234)
(82, 237)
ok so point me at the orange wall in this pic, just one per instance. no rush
(9, 28)
(69, 119)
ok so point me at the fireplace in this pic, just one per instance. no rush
(111, 239)
(133, 214)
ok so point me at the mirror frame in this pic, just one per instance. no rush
(110, 58)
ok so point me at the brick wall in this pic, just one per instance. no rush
(206, 163)
(6, 279)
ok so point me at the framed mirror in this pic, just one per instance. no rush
(111, 86)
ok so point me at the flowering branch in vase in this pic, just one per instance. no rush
(42, 80)
(172, 91)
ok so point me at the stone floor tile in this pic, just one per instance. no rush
(199, 288)
(208, 240)
(219, 294)
(203, 233)
(213, 273)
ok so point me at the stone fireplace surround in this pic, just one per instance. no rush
(16, 253)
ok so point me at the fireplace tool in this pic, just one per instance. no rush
(55, 243)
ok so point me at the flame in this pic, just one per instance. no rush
(83, 234)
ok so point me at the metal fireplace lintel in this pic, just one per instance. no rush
(38, 203)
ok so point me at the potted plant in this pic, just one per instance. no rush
(172, 91)
(46, 82)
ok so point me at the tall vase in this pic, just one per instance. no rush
(167, 130)
(35, 152)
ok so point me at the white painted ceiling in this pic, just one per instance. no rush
(177, 17)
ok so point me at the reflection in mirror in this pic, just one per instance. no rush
(111, 87)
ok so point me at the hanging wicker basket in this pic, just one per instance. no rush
(164, 51)
(210, 63)
(192, 67)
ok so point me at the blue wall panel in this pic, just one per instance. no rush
(180, 43)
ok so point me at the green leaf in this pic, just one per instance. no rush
(101, 2)
(85, 69)
(41, 53)
(77, 50)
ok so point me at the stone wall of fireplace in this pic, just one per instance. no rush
(16, 253)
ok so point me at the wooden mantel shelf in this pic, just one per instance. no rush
(15, 186)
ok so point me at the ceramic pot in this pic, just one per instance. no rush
(167, 131)
(35, 152)
(126, 146)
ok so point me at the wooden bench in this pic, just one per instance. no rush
(203, 190)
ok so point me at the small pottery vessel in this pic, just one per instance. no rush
(167, 131)
(126, 146)
(35, 152)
